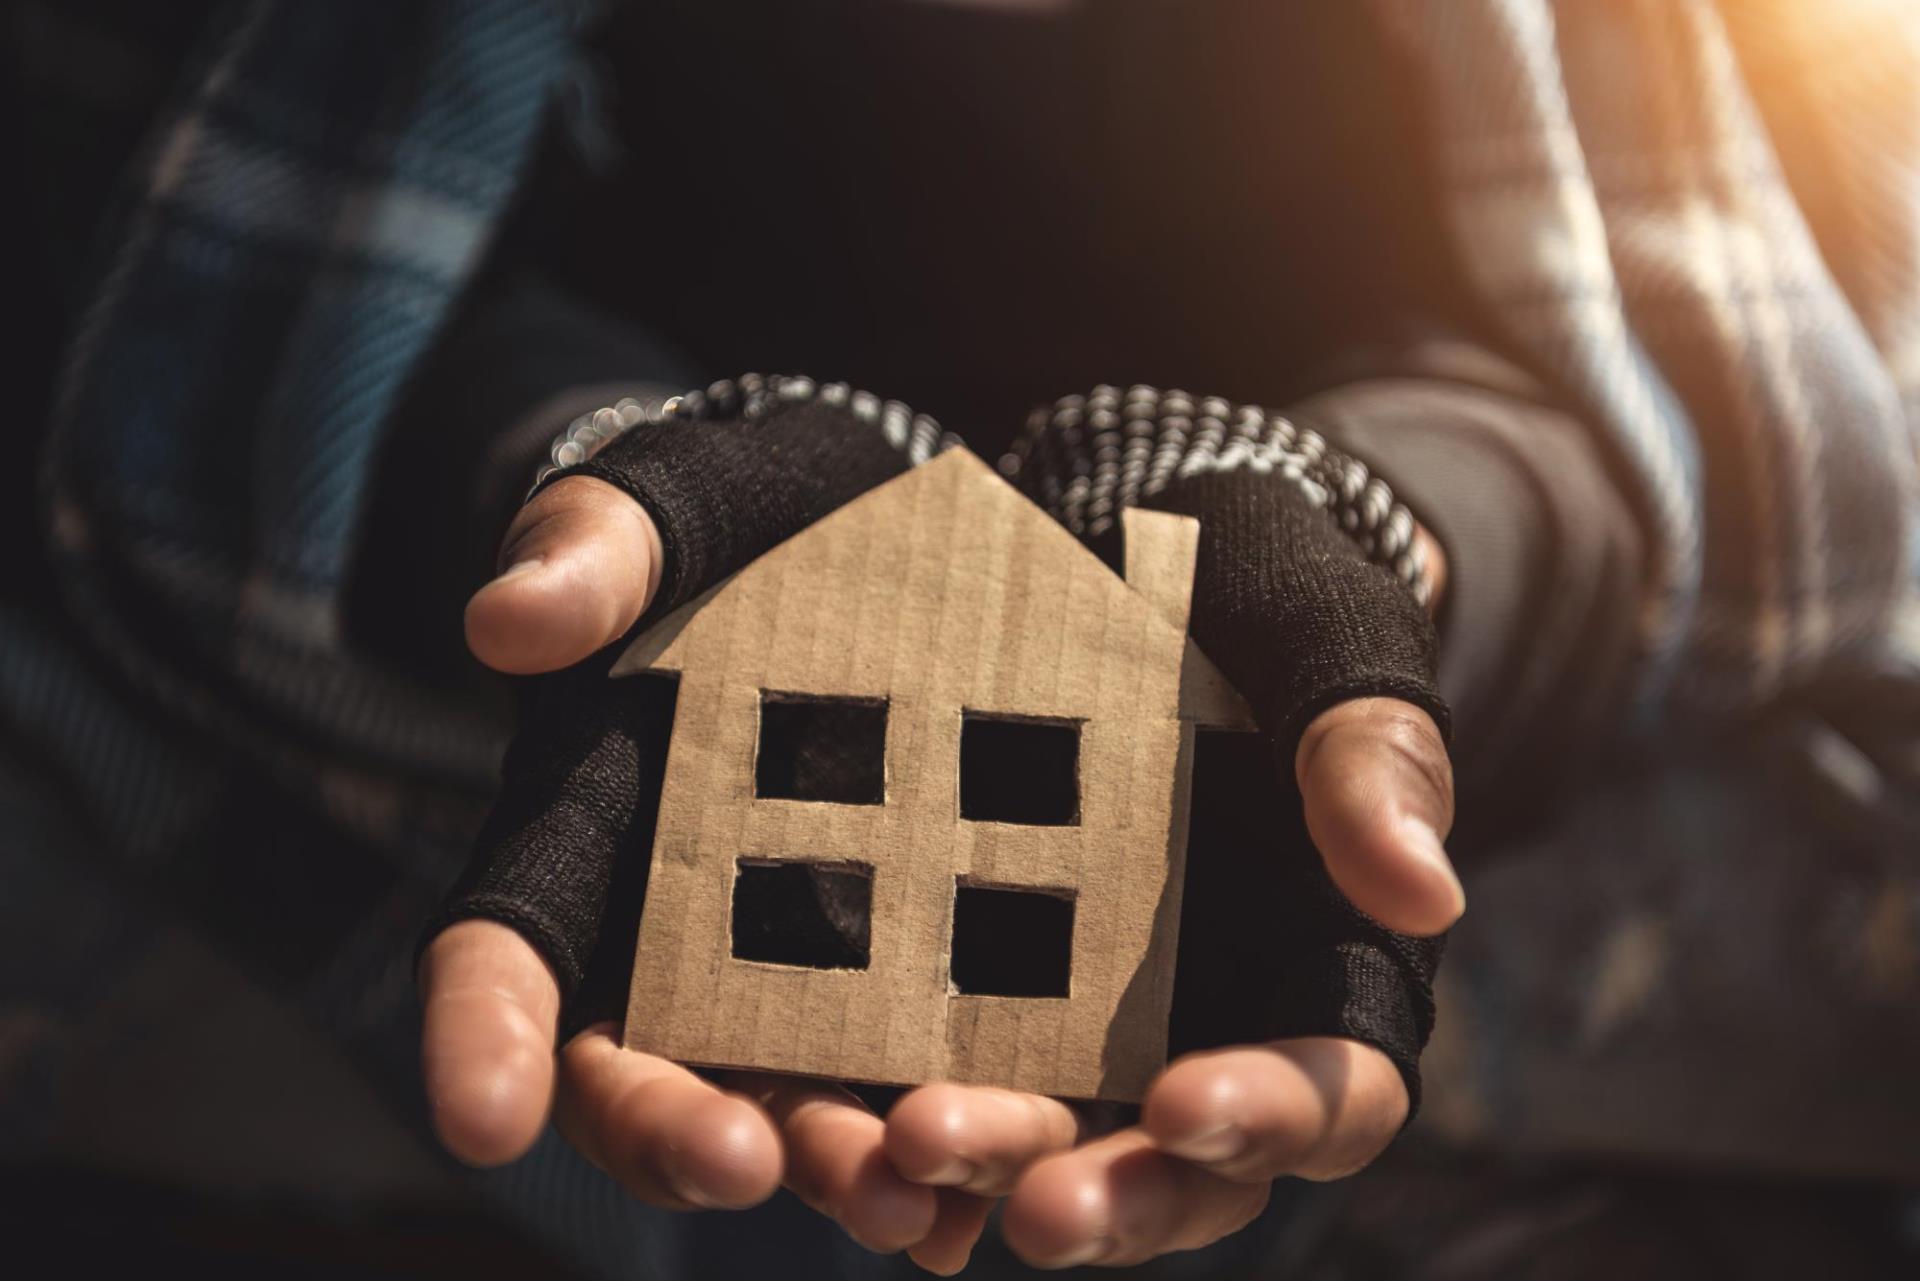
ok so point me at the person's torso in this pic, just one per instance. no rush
(975, 206)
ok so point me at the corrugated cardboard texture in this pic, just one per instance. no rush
(943, 592)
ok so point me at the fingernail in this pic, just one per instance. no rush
(1220, 1144)
(942, 1269)
(1424, 843)
(694, 1196)
(519, 567)
(687, 1190)
(1088, 1253)
(951, 1175)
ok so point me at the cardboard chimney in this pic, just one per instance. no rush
(940, 607)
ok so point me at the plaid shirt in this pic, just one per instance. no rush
(316, 186)
(301, 223)
(1700, 221)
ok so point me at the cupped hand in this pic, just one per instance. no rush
(579, 565)
(1217, 1127)
(671, 1138)
(1215, 1130)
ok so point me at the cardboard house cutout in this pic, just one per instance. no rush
(948, 607)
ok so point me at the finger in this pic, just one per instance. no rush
(1378, 790)
(1121, 1200)
(975, 1138)
(837, 1164)
(957, 1225)
(486, 1041)
(1316, 1107)
(670, 1138)
(578, 567)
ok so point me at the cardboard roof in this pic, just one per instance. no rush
(1207, 698)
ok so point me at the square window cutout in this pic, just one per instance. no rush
(815, 748)
(1019, 771)
(1011, 942)
(815, 915)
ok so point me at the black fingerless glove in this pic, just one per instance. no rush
(1292, 613)
(736, 470)
(1305, 594)
(726, 474)
(1269, 947)
(1308, 590)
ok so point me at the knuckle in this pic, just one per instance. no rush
(1322, 739)
(1366, 725)
(1409, 729)
(526, 528)
(1410, 739)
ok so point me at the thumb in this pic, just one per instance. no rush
(486, 1040)
(578, 566)
(1378, 792)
